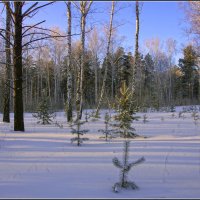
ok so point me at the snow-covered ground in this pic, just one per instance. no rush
(42, 163)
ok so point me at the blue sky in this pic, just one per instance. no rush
(157, 19)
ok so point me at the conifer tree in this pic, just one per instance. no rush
(44, 114)
(145, 118)
(125, 168)
(86, 116)
(78, 132)
(124, 117)
(189, 69)
(107, 132)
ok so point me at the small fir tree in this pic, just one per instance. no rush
(107, 132)
(86, 116)
(172, 108)
(125, 117)
(43, 113)
(145, 118)
(95, 116)
(78, 132)
(125, 167)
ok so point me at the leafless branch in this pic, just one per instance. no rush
(48, 36)
(5, 38)
(29, 9)
(32, 9)
(37, 33)
(9, 86)
(4, 63)
(76, 5)
(33, 26)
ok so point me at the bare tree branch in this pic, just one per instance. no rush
(31, 10)
(33, 26)
(5, 38)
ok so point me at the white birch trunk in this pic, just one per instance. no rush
(107, 59)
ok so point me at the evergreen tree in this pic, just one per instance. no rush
(78, 132)
(88, 81)
(125, 168)
(124, 72)
(43, 114)
(190, 73)
(145, 118)
(125, 116)
(86, 116)
(106, 131)
(149, 81)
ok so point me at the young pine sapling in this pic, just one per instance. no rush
(95, 116)
(145, 118)
(86, 116)
(107, 132)
(172, 108)
(125, 119)
(43, 113)
(78, 132)
(124, 116)
(125, 167)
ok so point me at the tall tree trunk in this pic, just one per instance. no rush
(107, 59)
(136, 43)
(17, 62)
(69, 68)
(79, 98)
(96, 79)
(84, 9)
(6, 109)
(136, 59)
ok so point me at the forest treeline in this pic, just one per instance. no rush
(159, 82)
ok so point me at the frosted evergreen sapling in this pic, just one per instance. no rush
(125, 117)
(107, 132)
(78, 132)
(125, 167)
(43, 112)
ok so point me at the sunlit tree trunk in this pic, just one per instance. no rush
(69, 67)
(136, 46)
(96, 79)
(84, 9)
(107, 58)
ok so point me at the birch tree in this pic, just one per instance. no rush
(136, 56)
(84, 8)
(192, 11)
(69, 67)
(95, 45)
(107, 58)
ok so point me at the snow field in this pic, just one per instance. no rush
(42, 162)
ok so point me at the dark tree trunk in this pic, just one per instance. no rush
(6, 107)
(17, 62)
